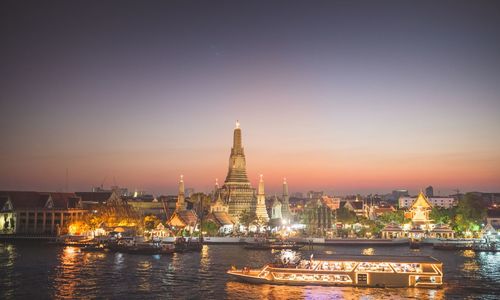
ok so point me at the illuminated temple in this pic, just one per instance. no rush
(237, 190)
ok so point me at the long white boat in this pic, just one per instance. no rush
(350, 270)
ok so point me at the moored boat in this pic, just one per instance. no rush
(273, 246)
(485, 247)
(149, 249)
(454, 244)
(187, 245)
(94, 248)
(349, 270)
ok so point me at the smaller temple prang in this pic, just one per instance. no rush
(181, 203)
(276, 209)
(285, 206)
(260, 209)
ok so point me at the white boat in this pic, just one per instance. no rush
(350, 270)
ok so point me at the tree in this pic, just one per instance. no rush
(346, 216)
(470, 213)
(442, 215)
(151, 221)
(201, 203)
(395, 216)
(210, 228)
(246, 218)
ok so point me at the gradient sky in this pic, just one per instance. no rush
(341, 96)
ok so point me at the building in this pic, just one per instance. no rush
(376, 211)
(442, 231)
(39, 213)
(357, 206)
(429, 191)
(493, 218)
(396, 194)
(182, 218)
(392, 231)
(123, 192)
(319, 215)
(444, 202)
(276, 210)
(315, 195)
(223, 221)
(237, 190)
(219, 214)
(419, 211)
(491, 231)
(149, 206)
(91, 200)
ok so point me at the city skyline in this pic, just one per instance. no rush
(341, 97)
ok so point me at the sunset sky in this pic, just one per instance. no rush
(340, 96)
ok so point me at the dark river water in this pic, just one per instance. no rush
(39, 271)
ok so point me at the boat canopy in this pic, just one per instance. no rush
(378, 258)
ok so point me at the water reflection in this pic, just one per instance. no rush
(66, 275)
(239, 290)
(469, 253)
(54, 272)
(7, 261)
(144, 268)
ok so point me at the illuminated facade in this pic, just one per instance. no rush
(39, 213)
(420, 210)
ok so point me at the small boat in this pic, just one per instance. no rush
(93, 248)
(131, 246)
(266, 245)
(187, 245)
(149, 249)
(451, 244)
(485, 247)
(349, 270)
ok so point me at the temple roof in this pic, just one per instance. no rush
(392, 227)
(442, 228)
(222, 218)
(36, 200)
(421, 201)
(100, 197)
(184, 218)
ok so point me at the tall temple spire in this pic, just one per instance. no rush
(181, 204)
(237, 188)
(237, 144)
(261, 186)
(285, 187)
(237, 173)
(285, 208)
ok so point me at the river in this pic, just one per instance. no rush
(40, 271)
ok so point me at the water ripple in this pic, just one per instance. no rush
(35, 271)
